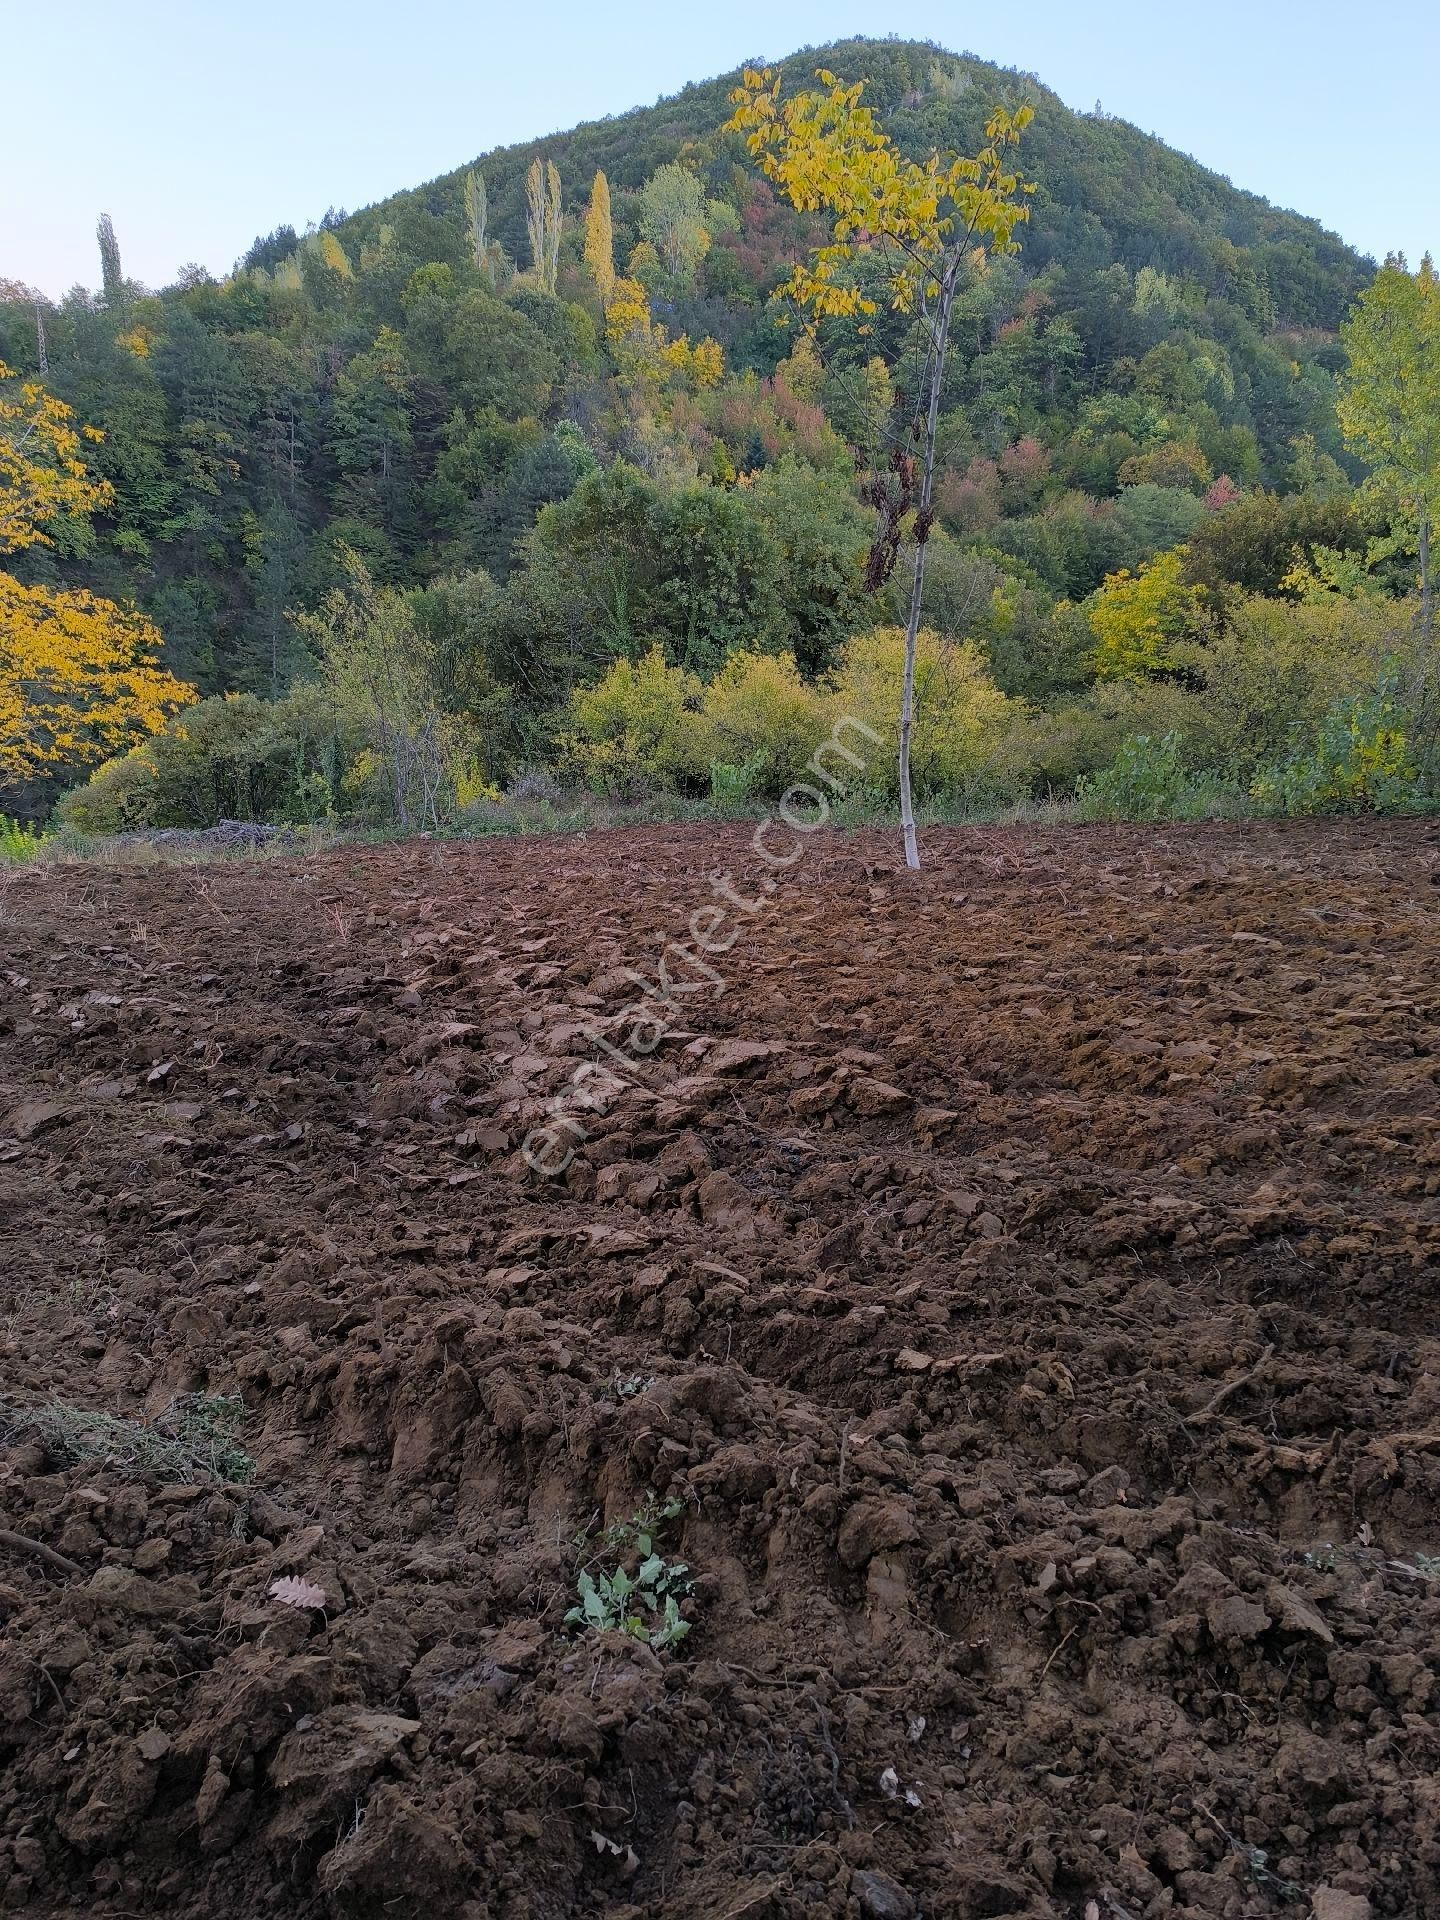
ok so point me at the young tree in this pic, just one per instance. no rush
(477, 213)
(381, 673)
(1389, 403)
(826, 153)
(78, 675)
(600, 237)
(553, 221)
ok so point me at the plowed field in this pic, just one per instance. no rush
(1008, 1293)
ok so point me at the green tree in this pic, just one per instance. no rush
(1389, 403)
(112, 279)
(672, 219)
(484, 252)
(370, 412)
(477, 207)
(821, 535)
(495, 356)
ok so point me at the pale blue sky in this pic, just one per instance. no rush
(198, 125)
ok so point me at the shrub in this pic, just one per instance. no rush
(532, 784)
(19, 842)
(1058, 747)
(1145, 781)
(638, 727)
(762, 717)
(119, 794)
(731, 787)
(966, 732)
(1274, 669)
(1033, 649)
(1358, 761)
(233, 757)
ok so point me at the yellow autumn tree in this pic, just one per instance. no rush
(78, 675)
(1140, 620)
(642, 349)
(42, 474)
(333, 255)
(600, 237)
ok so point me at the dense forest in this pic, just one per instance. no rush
(543, 431)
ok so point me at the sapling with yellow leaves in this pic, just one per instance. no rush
(923, 221)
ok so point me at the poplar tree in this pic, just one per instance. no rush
(600, 237)
(542, 220)
(553, 219)
(477, 216)
(111, 277)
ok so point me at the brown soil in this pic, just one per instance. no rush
(1022, 1277)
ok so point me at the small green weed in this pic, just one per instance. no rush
(645, 1603)
(1257, 1865)
(635, 1535)
(732, 787)
(646, 1606)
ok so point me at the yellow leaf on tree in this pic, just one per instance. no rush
(1140, 619)
(78, 679)
(825, 151)
(78, 675)
(42, 476)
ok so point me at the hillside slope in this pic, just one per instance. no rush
(1106, 191)
(387, 384)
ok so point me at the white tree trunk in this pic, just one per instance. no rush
(939, 340)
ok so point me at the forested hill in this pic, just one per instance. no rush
(415, 382)
(1106, 192)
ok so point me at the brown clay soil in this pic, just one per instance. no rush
(1019, 1280)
